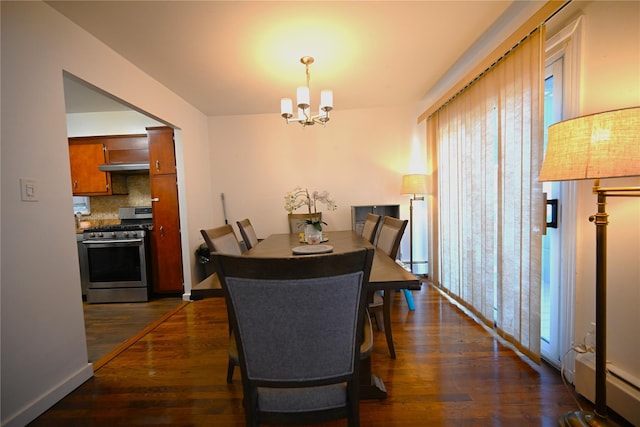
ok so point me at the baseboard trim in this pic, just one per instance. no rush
(623, 398)
(37, 407)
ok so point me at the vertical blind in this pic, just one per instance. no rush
(489, 145)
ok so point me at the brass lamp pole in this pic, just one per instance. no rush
(600, 219)
(603, 145)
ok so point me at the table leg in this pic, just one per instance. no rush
(371, 386)
(386, 314)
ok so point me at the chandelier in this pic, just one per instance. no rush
(304, 106)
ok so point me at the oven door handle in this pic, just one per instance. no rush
(132, 242)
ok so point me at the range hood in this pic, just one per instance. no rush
(125, 167)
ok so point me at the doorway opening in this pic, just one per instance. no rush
(90, 112)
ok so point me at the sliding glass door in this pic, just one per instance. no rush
(551, 244)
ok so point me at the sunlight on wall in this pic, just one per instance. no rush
(418, 156)
(278, 47)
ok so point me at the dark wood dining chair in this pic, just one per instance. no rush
(298, 323)
(370, 228)
(248, 233)
(298, 221)
(389, 238)
(223, 240)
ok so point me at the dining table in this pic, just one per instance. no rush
(386, 275)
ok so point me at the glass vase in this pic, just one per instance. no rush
(313, 236)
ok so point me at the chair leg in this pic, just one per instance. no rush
(230, 367)
(377, 315)
(386, 309)
(409, 298)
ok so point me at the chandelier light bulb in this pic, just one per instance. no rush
(303, 97)
(303, 102)
(326, 100)
(286, 108)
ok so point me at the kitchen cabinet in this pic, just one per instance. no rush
(86, 153)
(127, 148)
(86, 179)
(162, 153)
(166, 248)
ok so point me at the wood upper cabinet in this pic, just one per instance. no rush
(86, 179)
(127, 148)
(86, 153)
(166, 248)
(162, 154)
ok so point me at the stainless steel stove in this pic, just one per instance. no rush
(115, 258)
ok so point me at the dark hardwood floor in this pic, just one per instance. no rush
(109, 326)
(449, 372)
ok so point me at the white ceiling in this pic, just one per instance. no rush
(241, 57)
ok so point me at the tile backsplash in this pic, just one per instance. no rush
(106, 207)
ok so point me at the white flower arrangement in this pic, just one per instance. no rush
(299, 197)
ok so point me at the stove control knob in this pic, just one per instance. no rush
(125, 234)
(113, 234)
(100, 235)
(92, 234)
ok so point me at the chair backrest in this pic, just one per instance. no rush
(390, 235)
(370, 228)
(298, 221)
(248, 233)
(297, 323)
(222, 239)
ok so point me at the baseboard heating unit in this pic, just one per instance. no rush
(623, 389)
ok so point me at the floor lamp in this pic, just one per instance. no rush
(417, 185)
(603, 145)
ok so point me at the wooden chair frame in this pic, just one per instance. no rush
(212, 234)
(382, 304)
(298, 221)
(248, 233)
(371, 226)
(328, 266)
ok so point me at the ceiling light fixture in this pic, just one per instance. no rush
(304, 106)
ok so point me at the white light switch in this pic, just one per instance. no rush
(28, 190)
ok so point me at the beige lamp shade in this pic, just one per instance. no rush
(603, 145)
(415, 184)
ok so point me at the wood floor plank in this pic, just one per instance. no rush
(449, 371)
(108, 326)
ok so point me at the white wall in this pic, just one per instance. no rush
(42, 337)
(109, 123)
(359, 158)
(610, 80)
